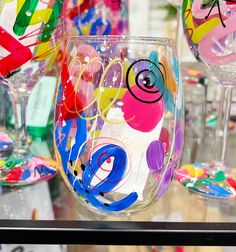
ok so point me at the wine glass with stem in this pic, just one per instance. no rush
(179, 33)
(6, 143)
(210, 30)
(100, 17)
(29, 41)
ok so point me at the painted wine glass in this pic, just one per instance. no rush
(6, 143)
(119, 120)
(29, 42)
(97, 17)
(179, 33)
(176, 3)
(209, 26)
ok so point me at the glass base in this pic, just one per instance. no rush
(6, 145)
(210, 180)
(16, 171)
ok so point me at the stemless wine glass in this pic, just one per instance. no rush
(119, 120)
(97, 17)
(210, 30)
(30, 33)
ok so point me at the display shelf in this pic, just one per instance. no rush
(117, 233)
(179, 218)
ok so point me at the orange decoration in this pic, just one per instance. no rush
(169, 81)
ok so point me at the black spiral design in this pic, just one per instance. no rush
(153, 83)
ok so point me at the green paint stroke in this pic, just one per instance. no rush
(52, 21)
(24, 17)
(10, 163)
(27, 11)
(218, 178)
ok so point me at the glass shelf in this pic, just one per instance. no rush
(179, 218)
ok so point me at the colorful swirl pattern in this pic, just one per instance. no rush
(15, 39)
(6, 144)
(98, 17)
(207, 25)
(210, 28)
(30, 39)
(196, 178)
(13, 171)
(134, 88)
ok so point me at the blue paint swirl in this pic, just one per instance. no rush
(99, 23)
(93, 194)
(82, 20)
(214, 190)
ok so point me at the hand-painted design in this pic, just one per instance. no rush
(103, 142)
(197, 177)
(111, 181)
(211, 4)
(38, 169)
(65, 139)
(155, 156)
(6, 142)
(196, 33)
(71, 105)
(18, 56)
(53, 21)
(83, 186)
(203, 23)
(168, 74)
(99, 17)
(162, 80)
(20, 53)
(218, 33)
(98, 166)
(29, 15)
(202, 8)
(139, 115)
(144, 97)
(166, 178)
(80, 8)
(114, 5)
(165, 139)
(178, 144)
(147, 79)
(99, 24)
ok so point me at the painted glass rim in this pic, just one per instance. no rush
(124, 39)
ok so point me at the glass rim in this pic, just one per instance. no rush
(124, 38)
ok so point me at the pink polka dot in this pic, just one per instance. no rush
(86, 53)
(140, 115)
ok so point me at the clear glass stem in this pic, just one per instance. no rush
(179, 35)
(21, 147)
(2, 111)
(223, 124)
